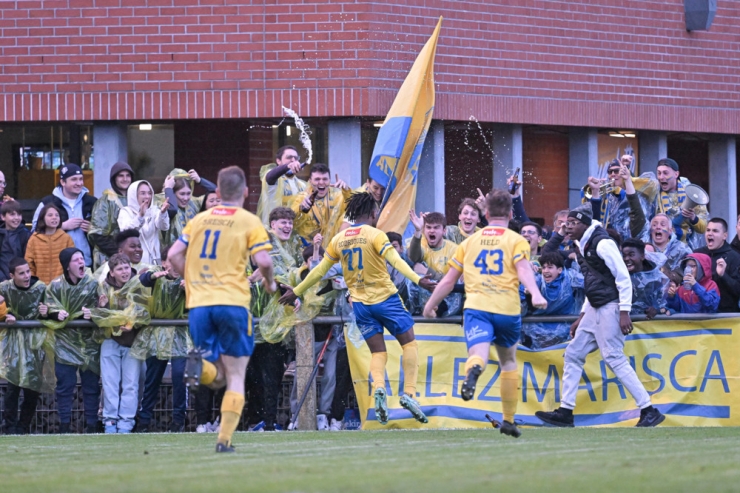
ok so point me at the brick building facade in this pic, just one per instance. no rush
(534, 85)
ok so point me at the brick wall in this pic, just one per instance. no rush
(557, 62)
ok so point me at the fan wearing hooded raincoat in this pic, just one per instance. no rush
(68, 297)
(149, 219)
(320, 207)
(280, 184)
(698, 293)
(664, 241)
(649, 284)
(563, 290)
(104, 220)
(187, 205)
(26, 355)
(158, 345)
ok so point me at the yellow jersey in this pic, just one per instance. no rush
(360, 250)
(220, 241)
(488, 260)
(438, 259)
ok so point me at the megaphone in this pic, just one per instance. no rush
(695, 195)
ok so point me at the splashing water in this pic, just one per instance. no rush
(305, 131)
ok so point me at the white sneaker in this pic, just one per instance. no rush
(293, 426)
(335, 425)
(322, 424)
(216, 426)
(204, 428)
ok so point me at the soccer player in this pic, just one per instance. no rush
(494, 261)
(218, 296)
(363, 251)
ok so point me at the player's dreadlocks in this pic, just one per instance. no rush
(359, 204)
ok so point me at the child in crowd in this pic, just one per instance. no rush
(698, 293)
(13, 237)
(118, 369)
(563, 290)
(46, 244)
(149, 220)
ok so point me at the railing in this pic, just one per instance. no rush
(305, 356)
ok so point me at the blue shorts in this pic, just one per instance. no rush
(390, 314)
(480, 326)
(222, 329)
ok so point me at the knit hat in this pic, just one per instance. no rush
(583, 213)
(65, 257)
(69, 170)
(668, 162)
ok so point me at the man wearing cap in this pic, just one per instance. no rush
(686, 222)
(75, 206)
(104, 228)
(622, 208)
(604, 321)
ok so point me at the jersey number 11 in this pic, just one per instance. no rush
(203, 253)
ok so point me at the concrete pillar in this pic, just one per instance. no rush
(652, 147)
(723, 180)
(110, 144)
(507, 153)
(345, 150)
(583, 161)
(430, 192)
(305, 361)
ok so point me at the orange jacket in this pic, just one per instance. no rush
(42, 254)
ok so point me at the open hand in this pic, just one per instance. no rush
(427, 283)
(289, 297)
(417, 221)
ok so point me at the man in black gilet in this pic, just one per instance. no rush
(604, 320)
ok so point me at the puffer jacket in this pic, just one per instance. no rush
(42, 254)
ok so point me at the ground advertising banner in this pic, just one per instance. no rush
(690, 368)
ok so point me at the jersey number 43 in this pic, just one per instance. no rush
(490, 262)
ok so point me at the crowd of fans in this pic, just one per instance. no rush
(105, 260)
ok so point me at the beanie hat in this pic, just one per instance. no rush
(65, 257)
(668, 162)
(583, 213)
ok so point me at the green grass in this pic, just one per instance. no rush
(542, 460)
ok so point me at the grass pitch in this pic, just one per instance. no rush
(542, 460)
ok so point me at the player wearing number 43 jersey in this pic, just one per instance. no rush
(212, 253)
(494, 261)
(363, 252)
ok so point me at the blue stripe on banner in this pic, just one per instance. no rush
(631, 337)
(469, 414)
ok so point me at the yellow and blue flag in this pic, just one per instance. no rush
(395, 162)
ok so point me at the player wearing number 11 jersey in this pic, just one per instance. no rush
(494, 261)
(212, 253)
(363, 251)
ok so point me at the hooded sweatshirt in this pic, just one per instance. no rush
(104, 226)
(149, 225)
(703, 296)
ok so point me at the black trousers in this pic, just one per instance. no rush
(264, 382)
(28, 407)
(344, 385)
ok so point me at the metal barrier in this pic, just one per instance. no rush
(45, 415)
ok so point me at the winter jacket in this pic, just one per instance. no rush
(13, 244)
(42, 254)
(599, 281)
(149, 225)
(82, 208)
(729, 283)
(703, 296)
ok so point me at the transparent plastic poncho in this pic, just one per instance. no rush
(26, 355)
(617, 209)
(649, 287)
(122, 309)
(167, 302)
(417, 298)
(77, 347)
(104, 220)
(564, 296)
(184, 214)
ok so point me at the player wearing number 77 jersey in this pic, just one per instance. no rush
(494, 261)
(363, 252)
(212, 253)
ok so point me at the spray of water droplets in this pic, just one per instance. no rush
(304, 130)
